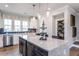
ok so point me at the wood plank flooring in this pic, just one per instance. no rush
(74, 51)
(10, 51)
(14, 51)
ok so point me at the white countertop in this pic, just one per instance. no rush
(24, 36)
(15, 34)
(48, 45)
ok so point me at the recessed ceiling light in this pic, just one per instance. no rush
(6, 5)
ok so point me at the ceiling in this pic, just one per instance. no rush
(27, 8)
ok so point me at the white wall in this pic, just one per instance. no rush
(48, 22)
(68, 28)
(77, 25)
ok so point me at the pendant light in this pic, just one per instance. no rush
(33, 11)
(48, 11)
(39, 16)
(33, 22)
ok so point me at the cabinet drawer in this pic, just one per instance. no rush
(39, 51)
(1, 41)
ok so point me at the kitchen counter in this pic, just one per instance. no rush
(48, 45)
(52, 45)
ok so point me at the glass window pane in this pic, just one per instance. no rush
(17, 22)
(7, 28)
(7, 25)
(17, 25)
(7, 22)
(24, 25)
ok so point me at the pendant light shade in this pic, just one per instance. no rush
(48, 11)
(33, 18)
(38, 15)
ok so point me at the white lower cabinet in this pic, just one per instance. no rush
(15, 39)
(1, 41)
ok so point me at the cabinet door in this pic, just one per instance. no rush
(29, 49)
(37, 51)
(15, 39)
(72, 20)
(22, 46)
(1, 41)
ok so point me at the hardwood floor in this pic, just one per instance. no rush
(74, 51)
(14, 51)
(10, 51)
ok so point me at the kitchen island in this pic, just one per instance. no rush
(35, 47)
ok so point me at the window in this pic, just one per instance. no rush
(24, 25)
(7, 25)
(17, 25)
